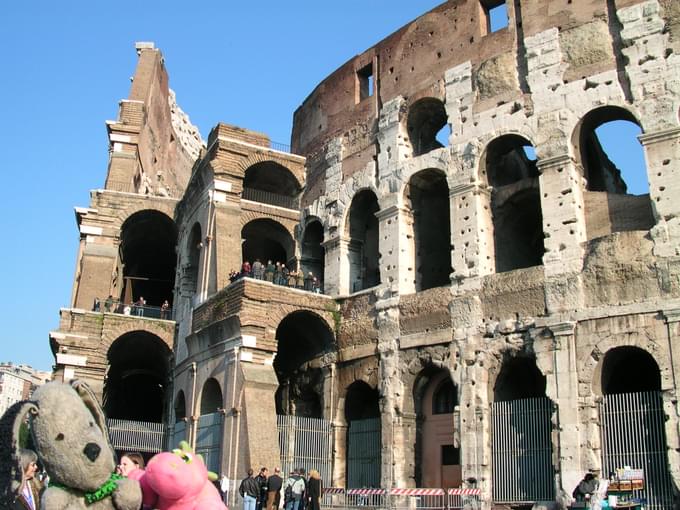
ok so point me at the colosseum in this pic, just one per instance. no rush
(471, 299)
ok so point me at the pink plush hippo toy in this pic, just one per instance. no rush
(179, 480)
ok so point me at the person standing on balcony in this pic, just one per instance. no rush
(246, 270)
(258, 270)
(269, 272)
(139, 306)
(165, 309)
(108, 304)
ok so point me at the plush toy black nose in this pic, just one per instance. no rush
(91, 451)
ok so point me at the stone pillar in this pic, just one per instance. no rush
(564, 228)
(471, 231)
(396, 247)
(97, 261)
(662, 152)
(672, 405)
(336, 268)
(475, 418)
(556, 357)
(393, 145)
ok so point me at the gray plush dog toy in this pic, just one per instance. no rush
(71, 439)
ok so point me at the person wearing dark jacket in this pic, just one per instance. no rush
(314, 490)
(249, 491)
(262, 484)
(274, 485)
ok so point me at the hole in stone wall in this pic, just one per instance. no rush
(495, 15)
(365, 82)
(620, 363)
(363, 254)
(519, 378)
(427, 126)
(312, 251)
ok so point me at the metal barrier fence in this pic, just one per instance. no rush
(305, 443)
(633, 434)
(401, 499)
(148, 311)
(127, 435)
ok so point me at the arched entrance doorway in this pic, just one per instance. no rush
(632, 422)
(437, 455)
(265, 239)
(362, 414)
(305, 437)
(134, 386)
(148, 259)
(521, 434)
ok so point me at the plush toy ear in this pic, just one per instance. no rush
(92, 404)
(11, 474)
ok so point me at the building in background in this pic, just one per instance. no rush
(17, 382)
(477, 300)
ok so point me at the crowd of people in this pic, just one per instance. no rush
(279, 274)
(263, 492)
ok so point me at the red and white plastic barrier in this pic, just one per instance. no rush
(333, 490)
(366, 492)
(416, 492)
(465, 492)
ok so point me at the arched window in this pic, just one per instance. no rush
(266, 239)
(427, 194)
(180, 407)
(312, 251)
(211, 397)
(362, 229)
(269, 182)
(510, 169)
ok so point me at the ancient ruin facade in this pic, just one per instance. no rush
(497, 312)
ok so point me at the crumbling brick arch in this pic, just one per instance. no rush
(296, 171)
(248, 216)
(366, 370)
(418, 364)
(166, 207)
(276, 315)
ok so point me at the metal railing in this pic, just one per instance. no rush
(278, 146)
(148, 311)
(127, 435)
(267, 197)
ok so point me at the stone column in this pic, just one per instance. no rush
(471, 231)
(396, 248)
(662, 152)
(564, 228)
(672, 405)
(336, 268)
(556, 356)
(392, 139)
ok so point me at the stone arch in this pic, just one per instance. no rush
(428, 359)
(166, 207)
(180, 406)
(211, 399)
(266, 239)
(118, 325)
(590, 360)
(425, 162)
(427, 199)
(137, 377)
(480, 148)
(366, 370)
(510, 169)
(303, 339)
(248, 216)
(598, 171)
(311, 248)
(361, 229)
(259, 157)
(276, 315)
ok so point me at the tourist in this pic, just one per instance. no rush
(274, 485)
(269, 271)
(246, 269)
(258, 270)
(108, 304)
(295, 488)
(29, 492)
(165, 308)
(97, 305)
(139, 306)
(129, 463)
(314, 490)
(249, 491)
(262, 492)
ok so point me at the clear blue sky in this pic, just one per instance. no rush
(65, 67)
